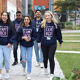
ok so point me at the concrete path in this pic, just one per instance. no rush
(16, 72)
(71, 40)
(78, 52)
(70, 31)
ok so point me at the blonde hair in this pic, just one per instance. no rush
(43, 24)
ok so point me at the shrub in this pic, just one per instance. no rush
(77, 27)
(68, 25)
(75, 75)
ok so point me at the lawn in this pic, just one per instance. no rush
(68, 62)
(71, 37)
(70, 33)
(70, 46)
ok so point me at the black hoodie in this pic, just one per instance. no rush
(49, 35)
(7, 33)
(26, 31)
(36, 24)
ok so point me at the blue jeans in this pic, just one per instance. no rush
(5, 54)
(26, 54)
(39, 57)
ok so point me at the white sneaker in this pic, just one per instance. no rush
(7, 75)
(37, 64)
(46, 71)
(51, 76)
(28, 76)
(41, 65)
(24, 71)
(0, 76)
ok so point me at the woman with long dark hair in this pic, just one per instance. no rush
(26, 36)
(6, 39)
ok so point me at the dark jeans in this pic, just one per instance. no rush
(15, 47)
(48, 53)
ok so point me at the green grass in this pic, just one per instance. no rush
(70, 33)
(68, 62)
(71, 37)
(69, 46)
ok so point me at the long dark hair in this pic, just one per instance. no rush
(23, 24)
(9, 22)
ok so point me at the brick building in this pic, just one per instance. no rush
(3, 5)
(10, 6)
(18, 3)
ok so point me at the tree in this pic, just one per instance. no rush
(64, 6)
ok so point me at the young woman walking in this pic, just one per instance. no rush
(6, 39)
(48, 35)
(26, 36)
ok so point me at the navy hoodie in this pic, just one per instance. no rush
(36, 24)
(6, 34)
(49, 35)
(26, 31)
(17, 24)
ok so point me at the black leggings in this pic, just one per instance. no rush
(48, 53)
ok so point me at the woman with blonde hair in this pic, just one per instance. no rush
(48, 34)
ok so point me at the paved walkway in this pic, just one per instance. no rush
(78, 52)
(16, 72)
(70, 31)
(71, 40)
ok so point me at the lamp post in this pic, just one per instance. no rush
(24, 7)
(51, 5)
(30, 7)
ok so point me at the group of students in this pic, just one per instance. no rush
(42, 33)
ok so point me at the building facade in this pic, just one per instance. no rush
(38, 4)
(10, 6)
(3, 5)
(41, 4)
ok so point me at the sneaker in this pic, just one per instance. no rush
(0, 76)
(15, 63)
(51, 77)
(28, 76)
(46, 71)
(41, 65)
(37, 64)
(24, 71)
(7, 76)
